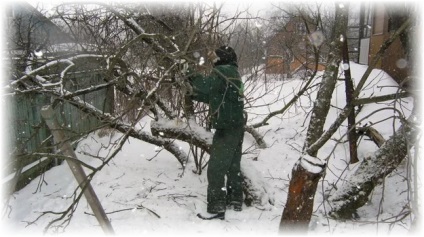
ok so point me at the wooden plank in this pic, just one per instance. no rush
(64, 147)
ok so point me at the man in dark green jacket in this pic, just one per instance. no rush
(223, 91)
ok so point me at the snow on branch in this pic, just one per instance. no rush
(186, 131)
(55, 62)
(191, 132)
(133, 24)
(256, 190)
(348, 108)
(372, 171)
(312, 164)
(258, 137)
(117, 124)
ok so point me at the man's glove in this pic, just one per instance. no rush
(184, 79)
(183, 66)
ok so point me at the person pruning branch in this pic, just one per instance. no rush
(223, 91)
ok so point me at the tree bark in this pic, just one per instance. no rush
(299, 205)
(312, 146)
(372, 171)
(178, 129)
(373, 134)
(258, 137)
(77, 170)
(353, 147)
(298, 209)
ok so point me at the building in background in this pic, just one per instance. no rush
(378, 21)
(290, 52)
(370, 25)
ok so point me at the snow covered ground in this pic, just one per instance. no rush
(146, 192)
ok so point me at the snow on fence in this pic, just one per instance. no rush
(29, 137)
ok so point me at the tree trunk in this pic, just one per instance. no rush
(298, 209)
(353, 147)
(309, 169)
(371, 172)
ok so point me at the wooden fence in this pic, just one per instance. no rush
(29, 138)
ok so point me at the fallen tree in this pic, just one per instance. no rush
(372, 170)
(256, 191)
(310, 168)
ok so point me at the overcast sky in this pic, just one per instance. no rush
(230, 6)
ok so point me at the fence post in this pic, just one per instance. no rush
(65, 148)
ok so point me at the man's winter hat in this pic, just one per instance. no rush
(226, 55)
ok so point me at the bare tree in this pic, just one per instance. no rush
(310, 168)
(140, 51)
(303, 184)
